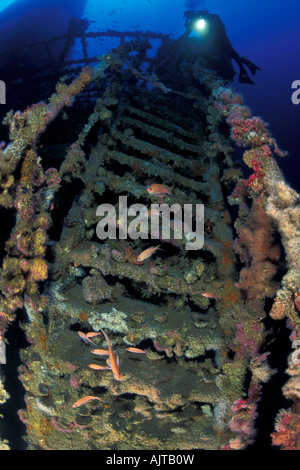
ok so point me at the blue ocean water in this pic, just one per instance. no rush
(264, 31)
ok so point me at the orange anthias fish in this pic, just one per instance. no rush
(160, 190)
(136, 350)
(86, 336)
(98, 367)
(113, 361)
(147, 253)
(100, 352)
(84, 400)
(210, 295)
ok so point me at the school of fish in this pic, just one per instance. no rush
(112, 363)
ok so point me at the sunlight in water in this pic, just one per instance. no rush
(5, 3)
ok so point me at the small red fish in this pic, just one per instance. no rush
(113, 361)
(160, 190)
(98, 367)
(91, 334)
(84, 400)
(136, 350)
(86, 336)
(100, 352)
(147, 253)
(210, 295)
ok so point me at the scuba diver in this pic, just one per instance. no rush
(213, 36)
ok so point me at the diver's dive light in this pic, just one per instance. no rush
(200, 25)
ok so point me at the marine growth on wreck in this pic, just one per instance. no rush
(203, 321)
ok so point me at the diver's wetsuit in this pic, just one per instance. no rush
(215, 37)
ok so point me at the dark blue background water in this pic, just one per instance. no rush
(265, 31)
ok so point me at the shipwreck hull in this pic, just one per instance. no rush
(198, 385)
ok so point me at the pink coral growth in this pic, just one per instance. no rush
(242, 422)
(248, 344)
(287, 434)
(95, 290)
(257, 175)
(246, 131)
(74, 381)
(250, 132)
(52, 178)
(229, 96)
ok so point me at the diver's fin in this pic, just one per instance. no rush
(252, 67)
(244, 77)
